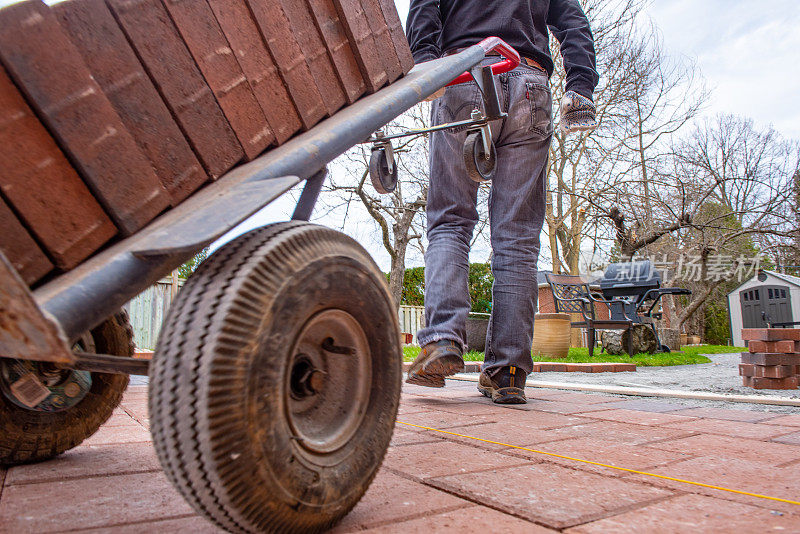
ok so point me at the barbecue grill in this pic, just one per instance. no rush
(637, 287)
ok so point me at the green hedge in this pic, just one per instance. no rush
(480, 287)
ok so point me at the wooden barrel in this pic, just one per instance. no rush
(551, 335)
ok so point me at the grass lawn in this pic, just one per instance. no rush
(688, 356)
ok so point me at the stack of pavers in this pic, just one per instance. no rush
(774, 358)
(113, 111)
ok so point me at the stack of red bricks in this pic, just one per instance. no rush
(774, 358)
(112, 111)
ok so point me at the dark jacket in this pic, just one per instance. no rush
(437, 26)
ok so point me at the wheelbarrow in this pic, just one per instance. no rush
(274, 387)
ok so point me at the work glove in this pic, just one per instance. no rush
(578, 113)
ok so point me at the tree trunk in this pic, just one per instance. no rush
(697, 300)
(616, 341)
(398, 271)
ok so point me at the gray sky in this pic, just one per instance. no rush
(747, 50)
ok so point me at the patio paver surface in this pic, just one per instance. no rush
(436, 482)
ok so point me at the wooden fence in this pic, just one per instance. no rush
(412, 318)
(149, 309)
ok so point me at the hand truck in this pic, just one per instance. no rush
(274, 387)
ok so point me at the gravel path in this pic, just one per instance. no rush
(719, 376)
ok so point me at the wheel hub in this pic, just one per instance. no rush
(328, 383)
(305, 379)
(42, 387)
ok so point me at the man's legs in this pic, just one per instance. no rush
(516, 212)
(516, 209)
(452, 215)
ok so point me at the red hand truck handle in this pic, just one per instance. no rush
(490, 44)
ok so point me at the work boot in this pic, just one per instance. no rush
(505, 386)
(435, 361)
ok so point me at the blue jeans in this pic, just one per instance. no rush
(516, 214)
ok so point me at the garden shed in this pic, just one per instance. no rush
(768, 295)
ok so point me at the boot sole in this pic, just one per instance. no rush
(429, 382)
(504, 395)
(433, 373)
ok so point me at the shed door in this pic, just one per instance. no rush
(774, 300)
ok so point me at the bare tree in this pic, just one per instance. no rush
(399, 215)
(740, 180)
(720, 200)
(642, 99)
(785, 253)
(645, 184)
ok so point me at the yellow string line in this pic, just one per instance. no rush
(720, 488)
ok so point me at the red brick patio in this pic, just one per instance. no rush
(432, 481)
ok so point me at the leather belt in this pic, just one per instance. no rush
(532, 63)
(528, 61)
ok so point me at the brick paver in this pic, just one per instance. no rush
(555, 496)
(402, 436)
(788, 420)
(428, 460)
(438, 419)
(639, 417)
(90, 461)
(392, 498)
(734, 428)
(731, 447)
(434, 482)
(20, 249)
(119, 434)
(580, 399)
(646, 405)
(182, 525)
(602, 451)
(729, 414)
(472, 519)
(750, 476)
(595, 367)
(791, 439)
(462, 406)
(406, 408)
(692, 513)
(112, 500)
(563, 407)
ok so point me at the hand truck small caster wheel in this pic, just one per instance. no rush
(480, 167)
(381, 172)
